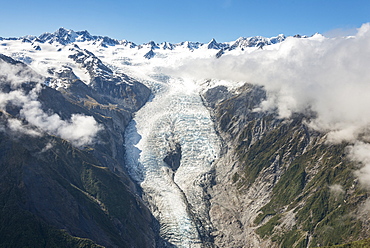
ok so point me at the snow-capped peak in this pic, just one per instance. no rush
(84, 36)
(67, 36)
(62, 35)
(257, 41)
(213, 44)
(166, 46)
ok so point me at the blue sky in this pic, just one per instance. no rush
(175, 21)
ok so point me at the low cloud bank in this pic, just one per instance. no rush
(79, 130)
(327, 76)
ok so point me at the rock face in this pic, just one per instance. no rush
(173, 157)
(278, 183)
(49, 185)
(80, 154)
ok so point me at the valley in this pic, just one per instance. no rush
(173, 145)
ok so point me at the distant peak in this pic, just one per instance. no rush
(166, 46)
(213, 44)
(152, 45)
(61, 35)
(257, 41)
(65, 36)
(63, 30)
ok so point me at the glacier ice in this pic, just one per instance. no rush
(176, 114)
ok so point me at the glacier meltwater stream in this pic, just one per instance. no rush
(171, 146)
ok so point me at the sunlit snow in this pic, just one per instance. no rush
(315, 74)
(175, 114)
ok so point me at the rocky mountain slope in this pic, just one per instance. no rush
(53, 188)
(279, 183)
(109, 143)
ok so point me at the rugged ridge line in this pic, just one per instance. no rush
(66, 36)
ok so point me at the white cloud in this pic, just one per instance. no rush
(360, 152)
(336, 189)
(17, 126)
(17, 74)
(79, 130)
(340, 32)
(329, 76)
(47, 147)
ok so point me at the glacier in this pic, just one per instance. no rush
(170, 148)
(175, 115)
(171, 144)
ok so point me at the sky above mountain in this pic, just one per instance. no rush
(175, 21)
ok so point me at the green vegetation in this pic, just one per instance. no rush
(305, 168)
(267, 229)
(64, 188)
(357, 244)
(319, 212)
(20, 228)
(275, 144)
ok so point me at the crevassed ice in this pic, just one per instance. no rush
(175, 114)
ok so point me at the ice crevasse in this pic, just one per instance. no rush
(171, 145)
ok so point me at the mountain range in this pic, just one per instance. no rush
(65, 36)
(106, 143)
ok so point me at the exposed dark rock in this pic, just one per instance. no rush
(220, 53)
(272, 182)
(173, 157)
(149, 54)
(49, 184)
(215, 95)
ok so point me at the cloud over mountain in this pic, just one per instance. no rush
(326, 76)
(79, 130)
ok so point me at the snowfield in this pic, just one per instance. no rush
(174, 121)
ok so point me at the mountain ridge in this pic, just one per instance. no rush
(47, 171)
(241, 176)
(66, 36)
